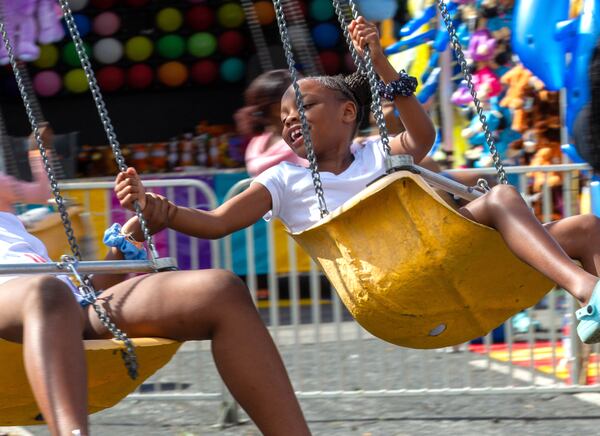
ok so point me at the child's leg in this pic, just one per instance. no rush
(504, 209)
(216, 305)
(40, 312)
(579, 236)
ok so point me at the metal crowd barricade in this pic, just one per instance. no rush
(329, 355)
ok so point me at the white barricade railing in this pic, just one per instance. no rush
(329, 355)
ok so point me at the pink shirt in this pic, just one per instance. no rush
(259, 157)
(18, 191)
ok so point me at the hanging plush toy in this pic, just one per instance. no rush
(48, 18)
(28, 22)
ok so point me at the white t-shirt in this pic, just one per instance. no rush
(293, 195)
(19, 246)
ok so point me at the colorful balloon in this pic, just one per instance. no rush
(200, 18)
(230, 15)
(83, 24)
(171, 46)
(265, 13)
(47, 83)
(169, 19)
(205, 71)
(321, 10)
(69, 54)
(108, 50)
(77, 5)
(111, 78)
(140, 76)
(173, 74)
(202, 44)
(331, 62)
(48, 56)
(138, 48)
(75, 81)
(231, 42)
(106, 23)
(326, 35)
(232, 70)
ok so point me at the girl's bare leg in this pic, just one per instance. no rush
(504, 209)
(215, 305)
(579, 236)
(40, 312)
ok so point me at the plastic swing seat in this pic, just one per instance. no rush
(50, 230)
(108, 381)
(413, 271)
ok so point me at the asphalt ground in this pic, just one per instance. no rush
(365, 364)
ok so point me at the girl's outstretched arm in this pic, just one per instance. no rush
(240, 212)
(420, 133)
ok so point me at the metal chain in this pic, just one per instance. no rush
(310, 152)
(342, 19)
(456, 46)
(376, 99)
(262, 50)
(35, 104)
(85, 286)
(64, 216)
(128, 354)
(102, 111)
(301, 39)
(87, 291)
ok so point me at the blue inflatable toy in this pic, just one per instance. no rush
(587, 29)
(534, 39)
(377, 10)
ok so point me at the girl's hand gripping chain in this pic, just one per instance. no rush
(129, 188)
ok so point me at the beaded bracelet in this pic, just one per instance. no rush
(131, 249)
(404, 86)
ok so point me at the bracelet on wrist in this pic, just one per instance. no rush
(404, 86)
(124, 242)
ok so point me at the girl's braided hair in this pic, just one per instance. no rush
(353, 87)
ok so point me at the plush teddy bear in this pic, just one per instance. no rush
(48, 18)
(28, 22)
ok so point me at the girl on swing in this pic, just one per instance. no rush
(41, 312)
(334, 108)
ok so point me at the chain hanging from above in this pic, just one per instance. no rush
(310, 152)
(262, 50)
(103, 113)
(458, 51)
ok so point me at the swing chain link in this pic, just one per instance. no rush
(64, 216)
(103, 112)
(33, 101)
(128, 354)
(301, 39)
(456, 46)
(86, 285)
(310, 153)
(262, 50)
(88, 293)
(365, 65)
(342, 14)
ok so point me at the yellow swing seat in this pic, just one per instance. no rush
(413, 271)
(108, 381)
(51, 232)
